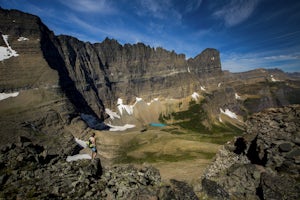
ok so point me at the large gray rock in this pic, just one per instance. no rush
(261, 164)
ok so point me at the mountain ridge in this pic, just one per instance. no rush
(88, 78)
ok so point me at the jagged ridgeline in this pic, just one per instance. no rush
(53, 87)
(55, 79)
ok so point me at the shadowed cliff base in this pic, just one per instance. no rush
(55, 61)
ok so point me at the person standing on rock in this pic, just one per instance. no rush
(92, 145)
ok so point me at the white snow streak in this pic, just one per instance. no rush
(7, 95)
(155, 99)
(121, 107)
(138, 99)
(195, 96)
(120, 128)
(7, 52)
(229, 113)
(78, 157)
(20, 39)
(237, 96)
(273, 79)
(112, 114)
(202, 88)
(82, 143)
(220, 119)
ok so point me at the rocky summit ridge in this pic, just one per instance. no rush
(261, 164)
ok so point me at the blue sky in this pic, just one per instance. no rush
(248, 33)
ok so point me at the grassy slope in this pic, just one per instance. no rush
(181, 150)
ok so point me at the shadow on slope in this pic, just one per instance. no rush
(55, 61)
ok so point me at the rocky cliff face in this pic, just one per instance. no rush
(64, 77)
(261, 164)
(110, 71)
(100, 72)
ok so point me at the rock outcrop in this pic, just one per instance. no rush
(28, 171)
(261, 164)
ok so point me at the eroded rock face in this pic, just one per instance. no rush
(263, 163)
(93, 74)
(28, 171)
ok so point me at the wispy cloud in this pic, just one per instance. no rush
(90, 6)
(160, 9)
(236, 11)
(120, 33)
(242, 62)
(192, 5)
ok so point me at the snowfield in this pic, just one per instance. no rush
(195, 96)
(112, 114)
(120, 128)
(20, 39)
(7, 95)
(229, 113)
(7, 52)
(121, 107)
(78, 157)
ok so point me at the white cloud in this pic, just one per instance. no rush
(236, 11)
(88, 6)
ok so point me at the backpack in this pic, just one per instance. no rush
(89, 144)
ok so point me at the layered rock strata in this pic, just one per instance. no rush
(95, 74)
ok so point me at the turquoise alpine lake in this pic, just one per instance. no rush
(157, 124)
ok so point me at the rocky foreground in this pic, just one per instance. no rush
(262, 164)
(27, 171)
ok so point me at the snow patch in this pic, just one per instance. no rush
(219, 84)
(20, 39)
(7, 52)
(220, 119)
(78, 157)
(202, 88)
(237, 96)
(155, 99)
(7, 95)
(121, 107)
(82, 143)
(138, 99)
(229, 113)
(188, 69)
(195, 96)
(120, 128)
(273, 79)
(112, 114)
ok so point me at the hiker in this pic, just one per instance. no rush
(92, 145)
